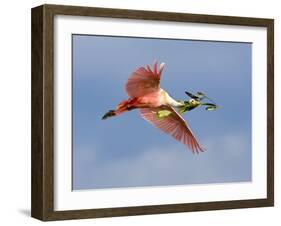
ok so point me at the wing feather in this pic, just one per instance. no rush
(144, 81)
(173, 124)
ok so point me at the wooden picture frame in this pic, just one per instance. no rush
(42, 203)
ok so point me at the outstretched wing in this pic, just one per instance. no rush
(172, 124)
(144, 81)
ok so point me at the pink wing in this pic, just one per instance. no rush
(173, 124)
(144, 81)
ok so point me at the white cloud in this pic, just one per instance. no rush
(158, 166)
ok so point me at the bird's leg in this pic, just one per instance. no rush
(126, 105)
(108, 114)
(130, 107)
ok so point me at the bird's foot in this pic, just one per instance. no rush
(109, 114)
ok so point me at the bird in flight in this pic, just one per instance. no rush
(158, 108)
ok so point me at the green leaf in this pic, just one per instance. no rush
(191, 95)
(209, 104)
(200, 94)
(211, 108)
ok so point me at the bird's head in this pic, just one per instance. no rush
(193, 103)
(196, 101)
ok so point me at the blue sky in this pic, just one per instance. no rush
(126, 151)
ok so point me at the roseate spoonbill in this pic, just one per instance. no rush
(158, 107)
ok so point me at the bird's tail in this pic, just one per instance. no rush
(124, 106)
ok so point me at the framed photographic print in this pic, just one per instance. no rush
(141, 112)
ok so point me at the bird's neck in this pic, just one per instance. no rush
(167, 99)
